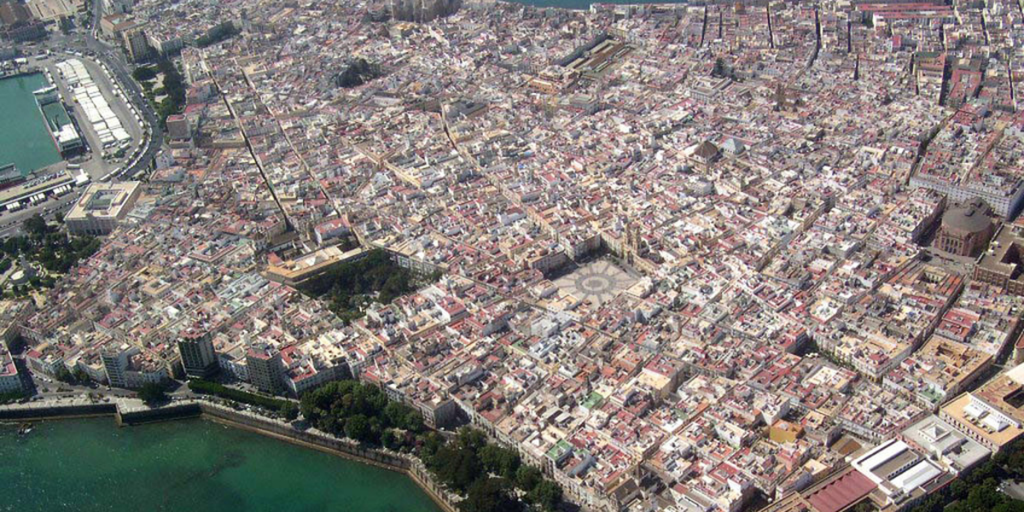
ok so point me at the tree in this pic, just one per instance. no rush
(985, 496)
(64, 375)
(500, 461)
(456, 466)
(358, 72)
(490, 495)
(348, 287)
(413, 422)
(152, 394)
(80, 376)
(357, 427)
(1010, 506)
(546, 494)
(429, 444)
(36, 226)
(394, 414)
(144, 74)
(719, 69)
(392, 439)
(528, 477)
(472, 439)
(290, 411)
(864, 506)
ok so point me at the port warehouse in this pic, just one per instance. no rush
(98, 112)
(103, 120)
(58, 122)
(15, 191)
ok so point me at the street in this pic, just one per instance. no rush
(86, 43)
(114, 61)
(10, 223)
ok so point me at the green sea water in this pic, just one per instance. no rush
(24, 138)
(191, 465)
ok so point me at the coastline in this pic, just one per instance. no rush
(413, 470)
(125, 414)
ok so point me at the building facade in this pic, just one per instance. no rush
(198, 357)
(265, 369)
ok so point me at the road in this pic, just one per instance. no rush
(86, 41)
(114, 61)
(10, 223)
(133, 92)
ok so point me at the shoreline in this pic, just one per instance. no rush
(412, 475)
(39, 116)
(409, 466)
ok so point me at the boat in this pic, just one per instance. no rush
(24, 429)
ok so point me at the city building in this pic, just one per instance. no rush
(198, 357)
(266, 370)
(178, 127)
(903, 475)
(136, 43)
(102, 207)
(10, 378)
(422, 10)
(957, 452)
(993, 414)
(966, 229)
(117, 6)
(1000, 265)
(116, 363)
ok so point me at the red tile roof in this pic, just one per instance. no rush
(841, 493)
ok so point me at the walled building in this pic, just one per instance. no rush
(966, 229)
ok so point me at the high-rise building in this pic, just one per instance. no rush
(265, 369)
(115, 365)
(10, 380)
(198, 357)
(136, 43)
(178, 127)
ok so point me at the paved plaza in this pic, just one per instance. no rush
(597, 282)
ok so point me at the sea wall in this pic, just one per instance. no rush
(139, 415)
(134, 414)
(386, 459)
(56, 411)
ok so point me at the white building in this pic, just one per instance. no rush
(10, 380)
(102, 207)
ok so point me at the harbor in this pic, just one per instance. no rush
(25, 138)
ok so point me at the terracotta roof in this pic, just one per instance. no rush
(841, 493)
(706, 150)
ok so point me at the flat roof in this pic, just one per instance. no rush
(918, 475)
(882, 454)
(955, 409)
(103, 200)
